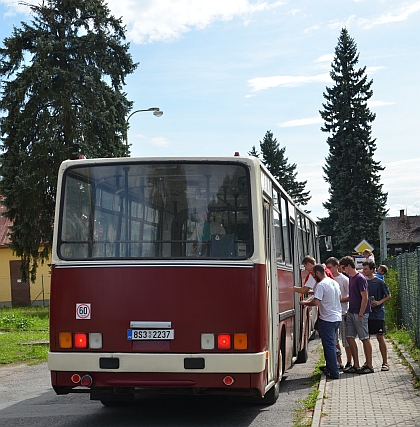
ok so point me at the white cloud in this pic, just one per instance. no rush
(14, 7)
(313, 173)
(402, 15)
(313, 28)
(156, 141)
(402, 186)
(372, 104)
(165, 20)
(399, 181)
(329, 57)
(160, 142)
(410, 209)
(261, 83)
(300, 122)
(373, 70)
(338, 25)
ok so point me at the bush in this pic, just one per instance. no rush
(16, 322)
(392, 306)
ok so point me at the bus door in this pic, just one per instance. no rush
(297, 280)
(272, 293)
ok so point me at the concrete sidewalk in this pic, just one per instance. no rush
(378, 399)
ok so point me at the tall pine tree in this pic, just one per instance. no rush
(356, 204)
(273, 157)
(61, 96)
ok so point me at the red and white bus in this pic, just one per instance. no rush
(176, 274)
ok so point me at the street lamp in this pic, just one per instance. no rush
(156, 112)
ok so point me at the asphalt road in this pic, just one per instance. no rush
(27, 400)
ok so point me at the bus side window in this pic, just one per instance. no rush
(285, 231)
(278, 236)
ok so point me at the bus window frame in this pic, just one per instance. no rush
(122, 164)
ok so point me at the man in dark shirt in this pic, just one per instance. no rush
(357, 317)
(378, 294)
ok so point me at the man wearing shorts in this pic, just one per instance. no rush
(357, 317)
(378, 294)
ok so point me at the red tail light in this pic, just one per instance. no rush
(223, 341)
(80, 340)
(86, 381)
(76, 378)
(228, 380)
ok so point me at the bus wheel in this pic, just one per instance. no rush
(114, 403)
(272, 395)
(302, 356)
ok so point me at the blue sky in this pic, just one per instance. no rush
(225, 72)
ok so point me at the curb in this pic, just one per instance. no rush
(412, 364)
(316, 417)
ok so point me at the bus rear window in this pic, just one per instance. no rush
(155, 211)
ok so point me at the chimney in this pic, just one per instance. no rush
(402, 216)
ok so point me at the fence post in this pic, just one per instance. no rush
(417, 297)
(43, 293)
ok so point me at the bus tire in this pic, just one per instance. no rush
(273, 394)
(302, 356)
(112, 403)
(115, 403)
(270, 398)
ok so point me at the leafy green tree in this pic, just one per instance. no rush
(253, 152)
(356, 204)
(275, 160)
(61, 96)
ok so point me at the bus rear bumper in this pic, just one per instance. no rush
(157, 373)
(157, 362)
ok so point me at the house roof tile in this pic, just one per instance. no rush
(4, 226)
(403, 229)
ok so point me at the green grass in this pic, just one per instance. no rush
(403, 338)
(24, 334)
(303, 414)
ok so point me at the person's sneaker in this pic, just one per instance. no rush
(340, 367)
(348, 364)
(365, 370)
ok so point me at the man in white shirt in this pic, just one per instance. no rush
(333, 264)
(327, 298)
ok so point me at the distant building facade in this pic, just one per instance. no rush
(13, 291)
(399, 234)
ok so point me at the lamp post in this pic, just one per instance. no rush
(156, 112)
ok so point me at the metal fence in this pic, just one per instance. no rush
(14, 292)
(407, 266)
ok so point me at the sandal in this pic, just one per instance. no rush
(385, 367)
(365, 370)
(351, 370)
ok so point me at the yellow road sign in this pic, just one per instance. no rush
(363, 245)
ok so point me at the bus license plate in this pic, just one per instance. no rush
(150, 334)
